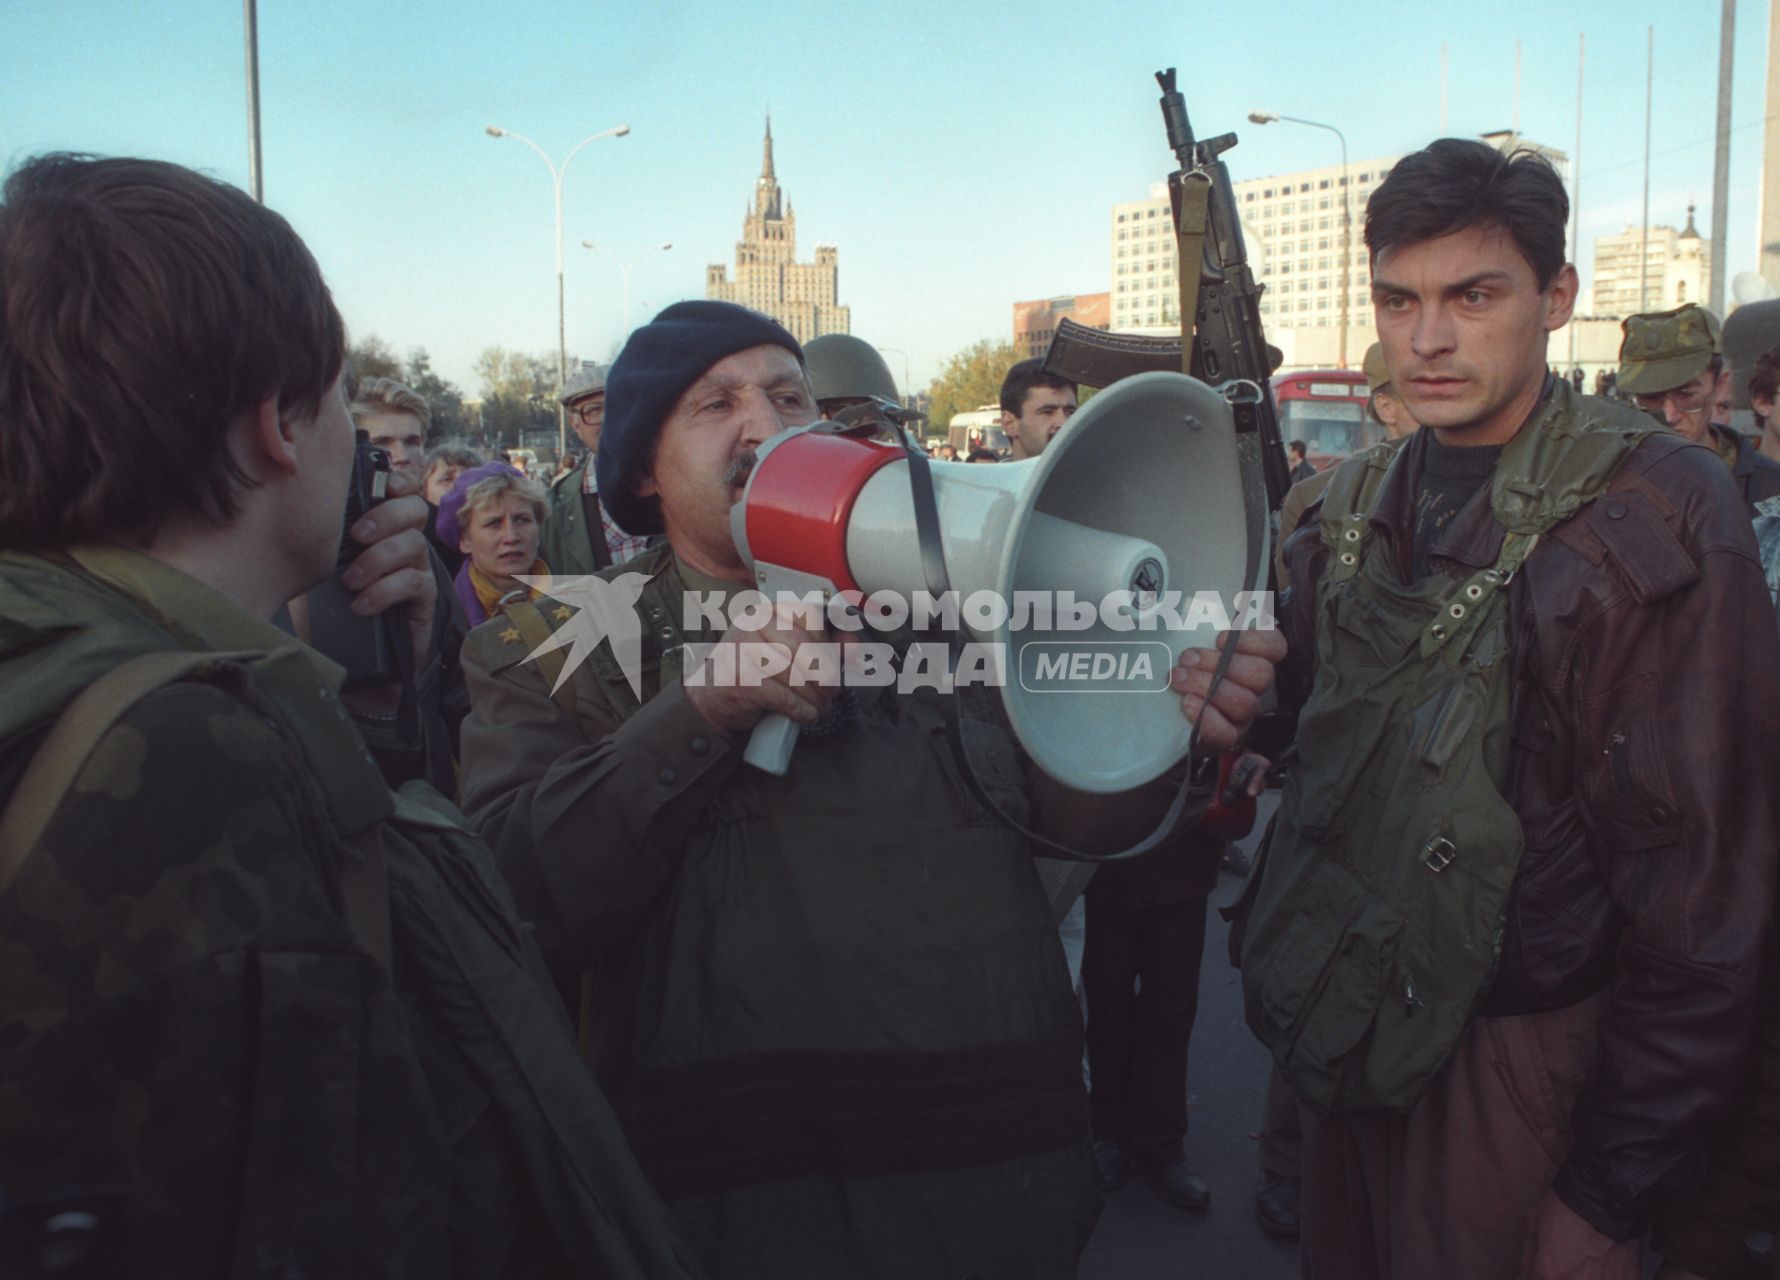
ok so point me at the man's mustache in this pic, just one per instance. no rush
(741, 467)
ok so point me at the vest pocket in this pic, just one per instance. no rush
(1323, 1001)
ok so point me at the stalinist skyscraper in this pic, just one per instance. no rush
(768, 277)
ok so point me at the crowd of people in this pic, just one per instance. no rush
(444, 954)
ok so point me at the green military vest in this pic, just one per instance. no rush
(1372, 924)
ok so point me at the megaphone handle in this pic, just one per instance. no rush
(769, 746)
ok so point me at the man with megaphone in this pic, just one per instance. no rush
(829, 1003)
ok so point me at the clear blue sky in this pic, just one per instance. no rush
(962, 155)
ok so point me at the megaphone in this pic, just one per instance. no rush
(1140, 492)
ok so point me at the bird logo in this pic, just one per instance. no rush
(604, 610)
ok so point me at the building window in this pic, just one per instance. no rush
(1248, 197)
(1303, 186)
(1267, 194)
(1323, 185)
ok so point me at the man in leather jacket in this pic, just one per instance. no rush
(1644, 701)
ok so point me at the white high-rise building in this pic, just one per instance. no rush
(1676, 269)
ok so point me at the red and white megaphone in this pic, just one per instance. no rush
(1140, 491)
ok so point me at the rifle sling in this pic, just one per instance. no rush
(1189, 238)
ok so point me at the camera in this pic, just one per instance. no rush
(369, 648)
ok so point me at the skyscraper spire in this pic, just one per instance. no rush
(766, 186)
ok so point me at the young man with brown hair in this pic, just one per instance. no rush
(1505, 939)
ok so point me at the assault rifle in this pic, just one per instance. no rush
(1219, 305)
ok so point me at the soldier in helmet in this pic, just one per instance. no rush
(848, 376)
(1672, 365)
(580, 537)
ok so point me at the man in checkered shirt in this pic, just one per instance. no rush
(569, 544)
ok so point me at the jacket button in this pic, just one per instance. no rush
(700, 745)
(1616, 510)
(667, 777)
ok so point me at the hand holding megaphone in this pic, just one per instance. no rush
(737, 707)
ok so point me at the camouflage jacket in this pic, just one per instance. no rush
(185, 1015)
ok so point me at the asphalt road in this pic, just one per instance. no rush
(1143, 1237)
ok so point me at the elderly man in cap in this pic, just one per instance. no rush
(580, 536)
(1672, 365)
(831, 1006)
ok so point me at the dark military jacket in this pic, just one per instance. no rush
(185, 1015)
(831, 1007)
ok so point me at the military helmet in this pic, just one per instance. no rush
(1664, 349)
(582, 382)
(1377, 375)
(843, 367)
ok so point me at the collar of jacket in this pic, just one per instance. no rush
(197, 615)
(1542, 479)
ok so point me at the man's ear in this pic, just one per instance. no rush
(1564, 287)
(646, 487)
(269, 437)
(1007, 421)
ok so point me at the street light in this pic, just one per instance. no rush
(625, 267)
(556, 177)
(1347, 219)
(908, 392)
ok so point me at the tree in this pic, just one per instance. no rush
(971, 378)
(518, 394)
(371, 357)
(450, 418)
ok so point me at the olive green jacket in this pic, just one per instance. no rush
(832, 1007)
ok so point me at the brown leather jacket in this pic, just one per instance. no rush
(1646, 717)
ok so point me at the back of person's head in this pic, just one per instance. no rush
(1455, 184)
(1022, 378)
(386, 395)
(1764, 378)
(143, 307)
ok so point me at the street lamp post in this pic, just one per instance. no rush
(1347, 218)
(556, 177)
(625, 268)
(908, 392)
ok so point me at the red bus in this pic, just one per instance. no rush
(1326, 409)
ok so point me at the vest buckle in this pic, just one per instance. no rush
(1438, 854)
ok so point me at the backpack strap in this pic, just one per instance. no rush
(64, 752)
(1347, 508)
